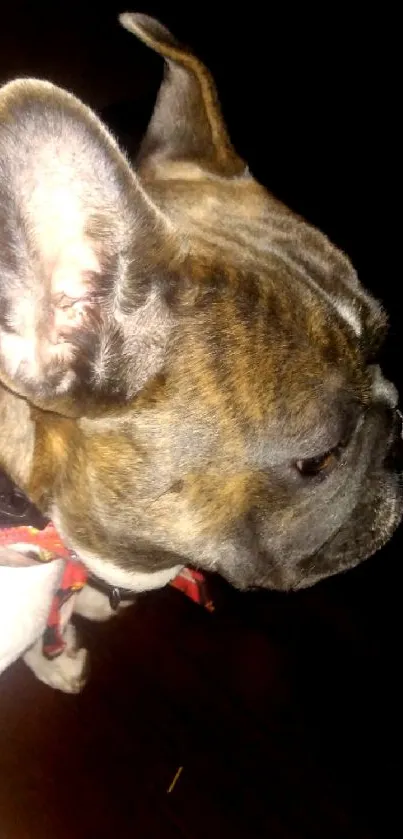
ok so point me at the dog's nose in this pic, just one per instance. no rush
(382, 389)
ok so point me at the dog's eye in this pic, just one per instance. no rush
(312, 466)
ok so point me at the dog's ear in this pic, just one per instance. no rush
(78, 243)
(187, 124)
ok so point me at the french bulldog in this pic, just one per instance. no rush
(189, 368)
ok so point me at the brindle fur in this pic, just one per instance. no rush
(215, 353)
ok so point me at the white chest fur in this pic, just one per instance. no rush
(114, 575)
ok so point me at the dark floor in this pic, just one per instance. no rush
(284, 711)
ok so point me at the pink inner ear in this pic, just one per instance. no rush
(72, 287)
(66, 319)
(72, 268)
(58, 209)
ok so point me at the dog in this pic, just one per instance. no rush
(189, 368)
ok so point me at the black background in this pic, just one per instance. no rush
(311, 99)
(312, 103)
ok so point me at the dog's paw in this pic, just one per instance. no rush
(67, 672)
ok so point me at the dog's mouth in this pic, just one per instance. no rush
(364, 528)
(372, 523)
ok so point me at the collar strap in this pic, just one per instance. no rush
(115, 595)
(21, 523)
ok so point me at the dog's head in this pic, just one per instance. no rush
(218, 353)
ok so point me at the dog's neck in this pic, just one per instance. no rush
(22, 523)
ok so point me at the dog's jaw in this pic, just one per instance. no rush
(111, 573)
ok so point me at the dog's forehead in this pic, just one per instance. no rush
(239, 225)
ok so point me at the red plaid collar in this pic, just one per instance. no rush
(47, 545)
